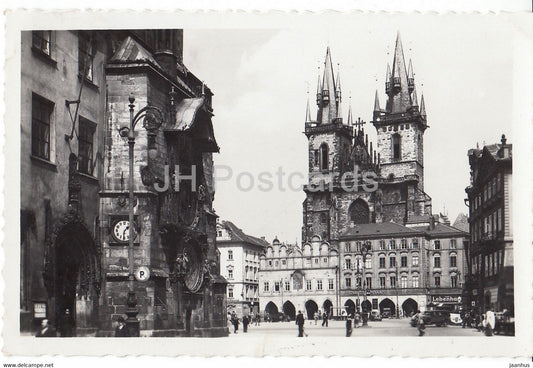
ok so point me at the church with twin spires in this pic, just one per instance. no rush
(337, 147)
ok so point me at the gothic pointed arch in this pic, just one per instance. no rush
(359, 212)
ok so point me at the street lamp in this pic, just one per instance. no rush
(365, 249)
(153, 118)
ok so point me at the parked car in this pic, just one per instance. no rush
(433, 317)
(375, 315)
(279, 317)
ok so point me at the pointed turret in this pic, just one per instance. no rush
(388, 80)
(338, 94)
(328, 81)
(308, 111)
(410, 77)
(376, 103)
(422, 107)
(319, 91)
(399, 94)
(350, 117)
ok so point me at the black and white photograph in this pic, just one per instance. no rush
(310, 184)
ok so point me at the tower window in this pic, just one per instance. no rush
(324, 157)
(396, 146)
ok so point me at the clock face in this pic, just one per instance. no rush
(121, 231)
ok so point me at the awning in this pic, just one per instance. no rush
(192, 118)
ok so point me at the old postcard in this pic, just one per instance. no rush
(286, 184)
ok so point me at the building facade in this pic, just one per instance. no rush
(293, 278)
(81, 158)
(239, 264)
(398, 269)
(491, 281)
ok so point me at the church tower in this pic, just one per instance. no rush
(400, 130)
(335, 148)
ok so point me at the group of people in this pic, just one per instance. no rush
(483, 322)
(247, 319)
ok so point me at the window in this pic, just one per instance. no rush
(369, 282)
(382, 245)
(276, 263)
(396, 146)
(41, 113)
(230, 274)
(85, 148)
(368, 263)
(437, 281)
(347, 247)
(415, 281)
(266, 286)
(393, 281)
(348, 264)
(284, 262)
(277, 286)
(415, 243)
(270, 263)
(403, 282)
(382, 282)
(403, 261)
(453, 244)
(230, 292)
(415, 260)
(454, 281)
(392, 261)
(308, 285)
(325, 260)
(437, 245)
(319, 284)
(348, 282)
(453, 260)
(331, 284)
(42, 41)
(219, 233)
(316, 260)
(436, 261)
(323, 218)
(230, 256)
(287, 286)
(404, 244)
(393, 244)
(382, 262)
(324, 165)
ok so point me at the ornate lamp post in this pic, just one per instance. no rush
(365, 249)
(153, 118)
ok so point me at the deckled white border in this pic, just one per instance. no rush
(520, 345)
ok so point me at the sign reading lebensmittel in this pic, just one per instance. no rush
(142, 273)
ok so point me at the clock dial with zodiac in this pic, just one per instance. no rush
(121, 231)
(194, 274)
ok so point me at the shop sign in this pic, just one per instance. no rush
(449, 299)
(39, 310)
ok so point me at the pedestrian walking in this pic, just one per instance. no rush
(46, 330)
(325, 318)
(356, 320)
(421, 325)
(235, 322)
(349, 320)
(316, 317)
(245, 322)
(257, 319)
(121, 330)
(300, 323)
(490, 322)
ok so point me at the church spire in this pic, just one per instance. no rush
(399, 90)
(376, 103)
(338, 95)
(329, 94)
(318, 90)
(328, 82)
(388, 80)
(350, 117)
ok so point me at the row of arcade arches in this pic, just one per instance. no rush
(288, 308)
(409, 307)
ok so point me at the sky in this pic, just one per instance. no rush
(260, 79)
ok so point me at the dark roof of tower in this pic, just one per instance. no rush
(399, 101)
(461, 222)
